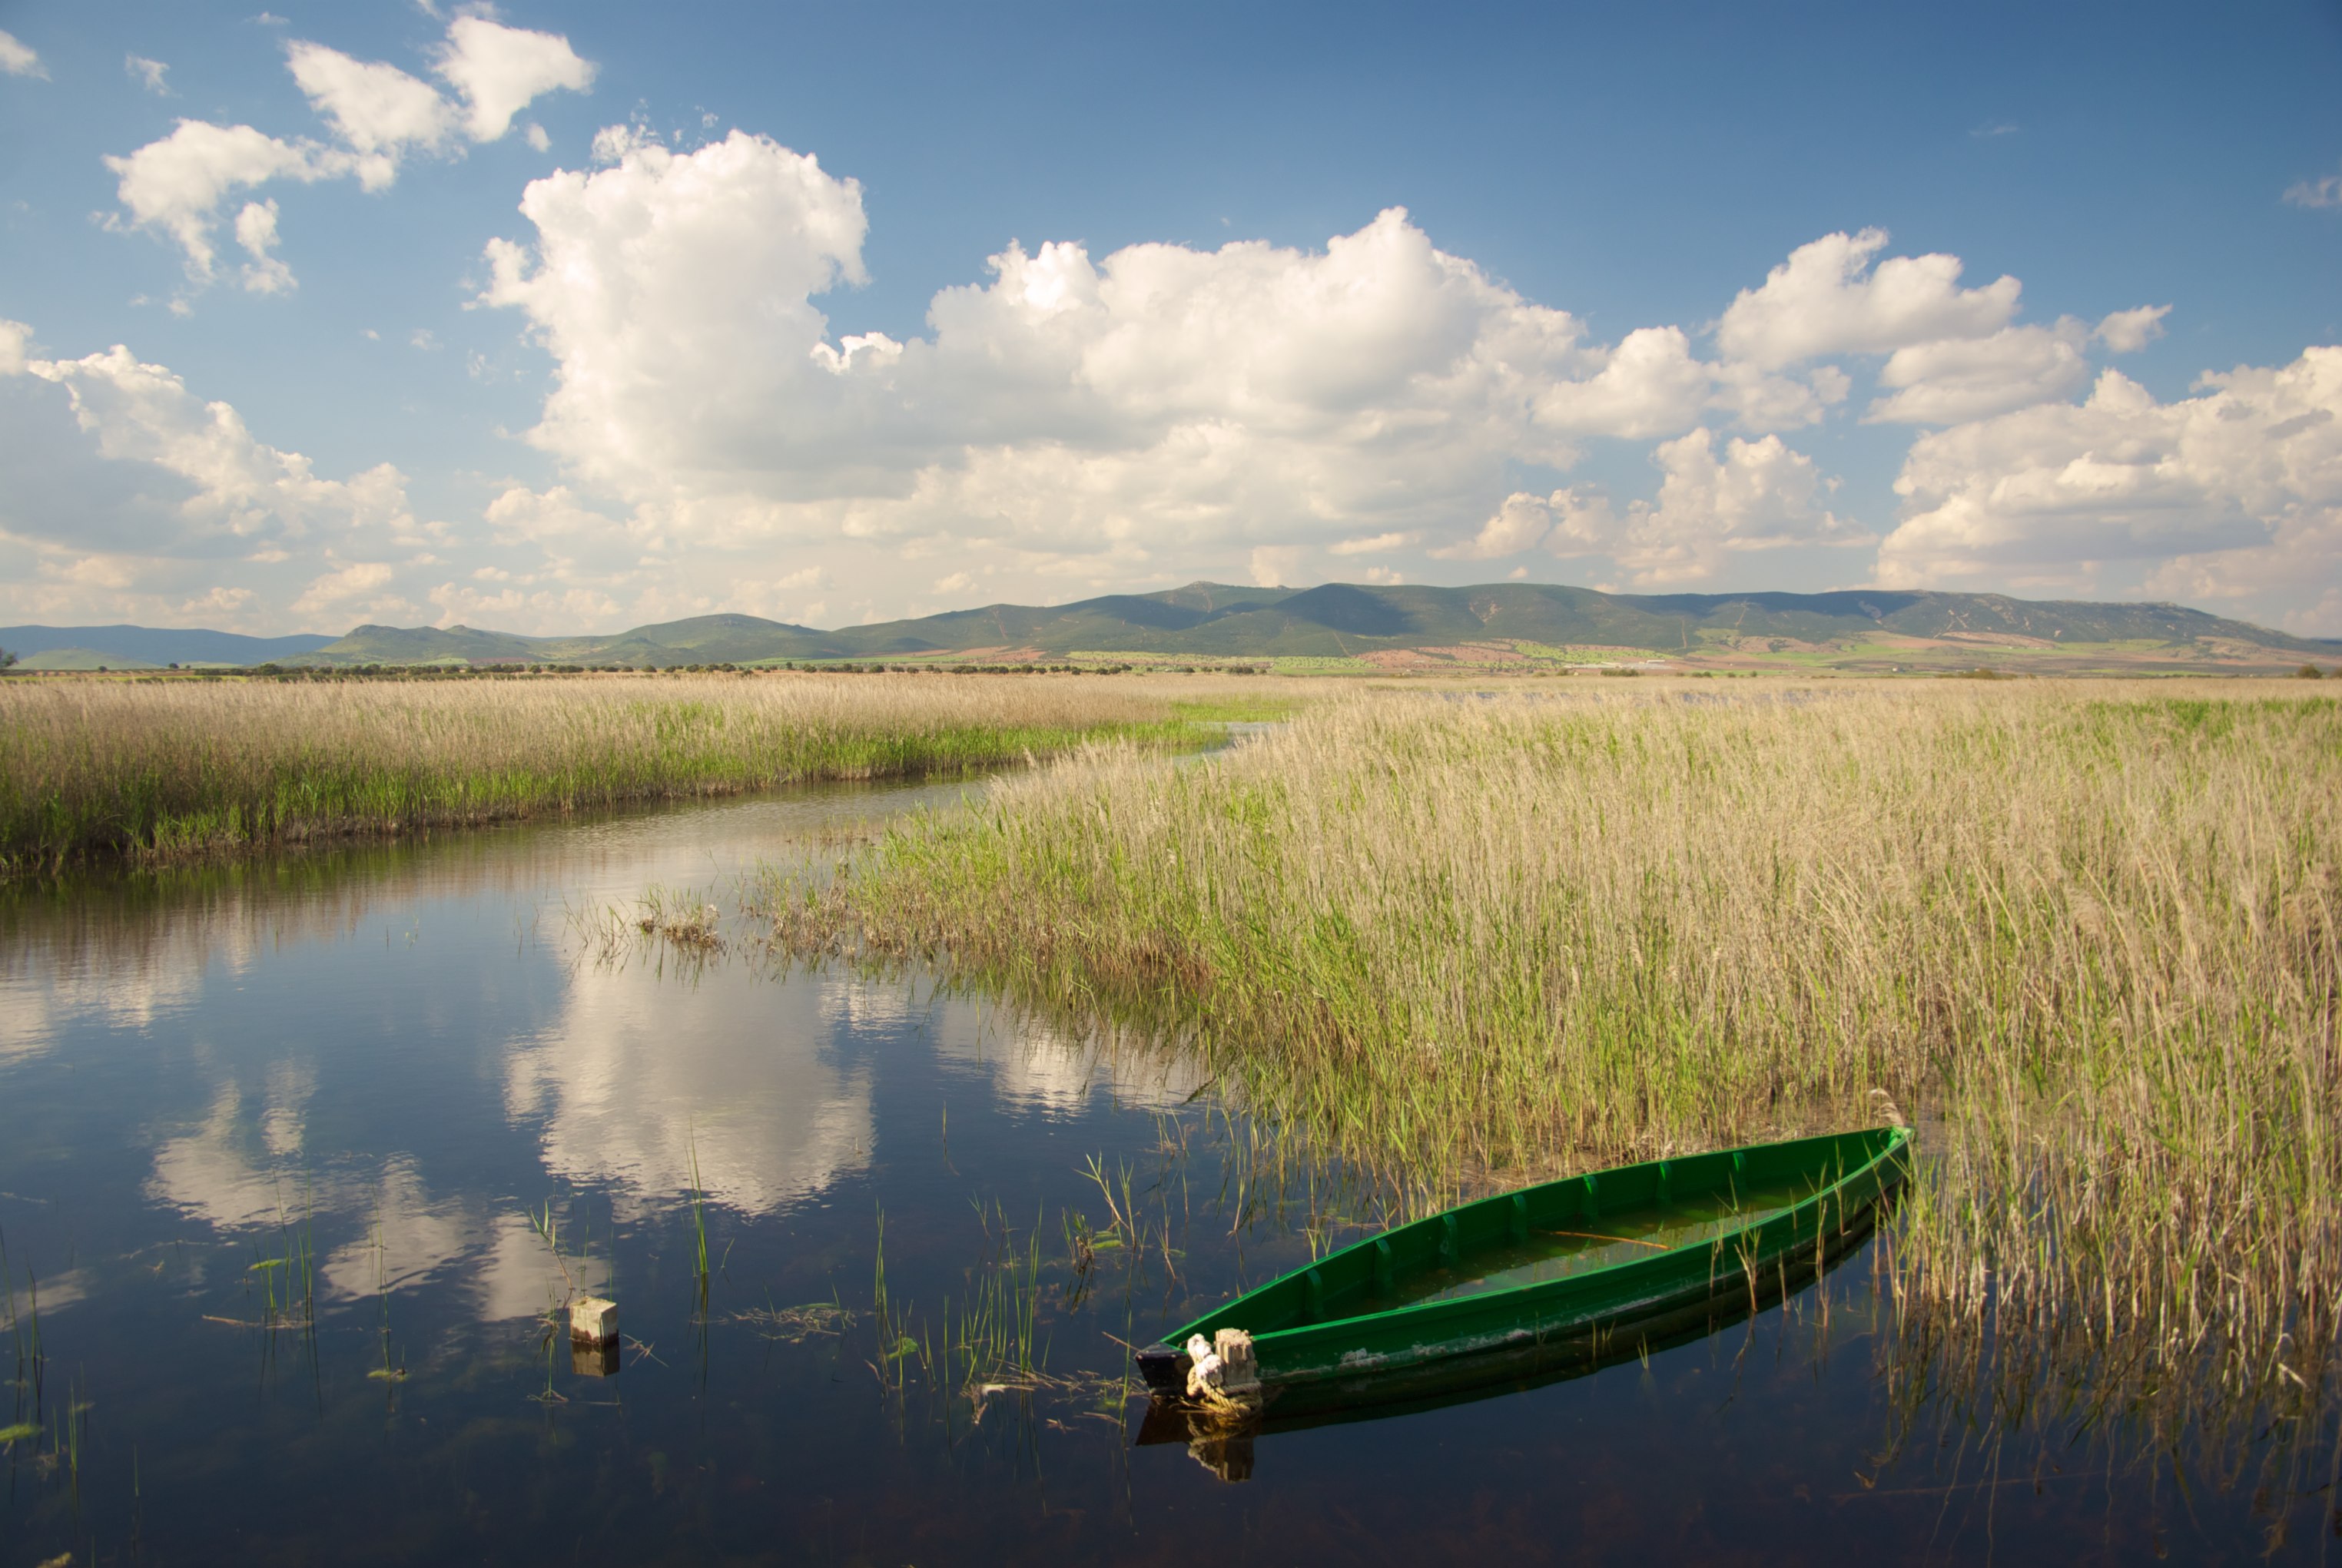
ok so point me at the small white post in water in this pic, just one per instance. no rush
(1239, 1368)
(592, 1320)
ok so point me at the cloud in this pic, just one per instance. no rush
(1069, 415)
(1756, 496)
(359, 580)
(175, 185)
(1956, 379)
(1828, 299)
(143, 413)
(1375, 545)
(1521, 524)
(1648, 386)
(377, 110)
(2325, 193)
(566, 610)
(255, 231)
(1273, 565)
(2235, 491)
(2129, 331)
(147, 74)
(17, 59)
(379, 113)
(501, 70)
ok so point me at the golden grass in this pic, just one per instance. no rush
(165, 769)
(2086, 932)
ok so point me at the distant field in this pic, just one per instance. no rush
(1704, 654)
(156, 769)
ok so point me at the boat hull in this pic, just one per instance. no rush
(1313, 1328)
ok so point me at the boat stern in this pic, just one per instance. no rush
(1165, 1368)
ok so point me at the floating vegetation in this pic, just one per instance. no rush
(690, 925)
(798, 1324)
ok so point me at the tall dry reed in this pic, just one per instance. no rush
(2087, 932)
(165, 769)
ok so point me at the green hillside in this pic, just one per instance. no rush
(1347, 622)
(80, 659)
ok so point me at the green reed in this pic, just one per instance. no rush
(996, 1337)
(25, 1334)
(2086, 932)
(698, 1222)
(169, 771)
(288, 1280)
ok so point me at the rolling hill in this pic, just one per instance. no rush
(1350, 625)
(126, 647)
(1348, 622)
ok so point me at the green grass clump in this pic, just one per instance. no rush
(2090, 935)
(167, 771)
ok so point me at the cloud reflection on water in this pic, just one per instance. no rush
(640, 1072)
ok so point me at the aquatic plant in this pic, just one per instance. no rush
(176, 769)
(698, 1222)
(2087, 931)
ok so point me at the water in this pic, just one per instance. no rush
(381, 1069)
(1555, 1255)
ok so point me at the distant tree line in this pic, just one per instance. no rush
(272, 672)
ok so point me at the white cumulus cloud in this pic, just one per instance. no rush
(1755, 495)
(377, 110)
(1070, 414)
(501, 70)
(1827, 298)
(147, 74)
(174, 185)
(235, 485)
(360, 581)
(377, 113)
(1955, 379)
(255, 231)
(150, 504)
(2129, 331)
(2237, 490)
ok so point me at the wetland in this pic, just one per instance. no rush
(891, 1112)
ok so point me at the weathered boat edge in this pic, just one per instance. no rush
(1652, 1286)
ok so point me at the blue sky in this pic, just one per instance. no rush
(567, 318)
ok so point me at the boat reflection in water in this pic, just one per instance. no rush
(1223, 1440)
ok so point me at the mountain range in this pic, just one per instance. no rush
(1386, 626)
(147, 647)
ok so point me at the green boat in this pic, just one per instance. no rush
(1566, 1266)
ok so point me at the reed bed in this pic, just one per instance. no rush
(164, 771)
(2085, 932)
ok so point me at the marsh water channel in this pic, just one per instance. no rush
(299, 1159)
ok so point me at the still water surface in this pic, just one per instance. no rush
(382, 1069)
